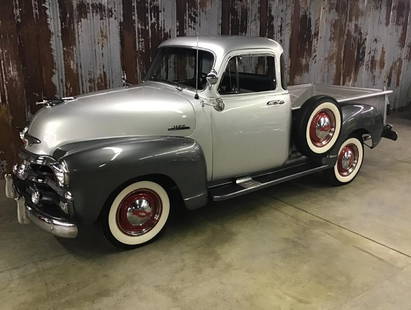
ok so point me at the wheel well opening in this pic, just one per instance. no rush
(165, 181)
(362, 134)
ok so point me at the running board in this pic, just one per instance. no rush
(250, 184)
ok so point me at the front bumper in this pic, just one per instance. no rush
(26, 213)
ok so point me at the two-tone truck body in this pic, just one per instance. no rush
(214, 119)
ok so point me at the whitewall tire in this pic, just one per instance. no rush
(349, 161)
(137, 214)
(318, 126)
(321, 139)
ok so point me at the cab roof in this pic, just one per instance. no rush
(224, 44)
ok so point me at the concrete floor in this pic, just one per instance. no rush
(300, 245)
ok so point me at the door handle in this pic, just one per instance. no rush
(275, 102)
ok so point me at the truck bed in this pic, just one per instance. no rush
(375, 97)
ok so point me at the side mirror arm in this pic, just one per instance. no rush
(212, 78)
(218, 105)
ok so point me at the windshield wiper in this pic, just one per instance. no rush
(178, 85)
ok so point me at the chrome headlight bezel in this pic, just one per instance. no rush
(61, 173)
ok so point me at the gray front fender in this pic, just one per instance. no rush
(98, 168)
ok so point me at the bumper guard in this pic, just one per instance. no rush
(389, 133)
(25, 214)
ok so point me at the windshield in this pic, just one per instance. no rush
(177, 66)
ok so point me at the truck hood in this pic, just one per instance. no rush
(150, 109)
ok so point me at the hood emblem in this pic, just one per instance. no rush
(178, 127)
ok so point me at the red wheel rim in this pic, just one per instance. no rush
(139, 212)
(347, 159)
(322, 127)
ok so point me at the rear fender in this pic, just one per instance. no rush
(358, 118)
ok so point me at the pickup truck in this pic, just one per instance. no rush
(213, 119)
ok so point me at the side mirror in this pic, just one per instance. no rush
(212, 78)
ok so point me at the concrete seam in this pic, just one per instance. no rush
(344, 228)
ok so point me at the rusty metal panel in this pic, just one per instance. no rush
(128, 41)
(69, 68)
(35, 51)
(98, 43)
(12, 90)
(68, 47)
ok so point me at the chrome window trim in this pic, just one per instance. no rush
(249, 52)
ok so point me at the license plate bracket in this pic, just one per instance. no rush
(11, 192)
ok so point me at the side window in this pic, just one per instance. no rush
(248, 74)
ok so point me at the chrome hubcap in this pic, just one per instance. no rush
(322, 128)
(139, 212)
(348, 159)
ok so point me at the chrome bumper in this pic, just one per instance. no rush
(25, 214)
(63, 229)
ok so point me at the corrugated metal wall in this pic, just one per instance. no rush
(68, 47)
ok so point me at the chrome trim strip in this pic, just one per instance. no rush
(384, 92)
(57, 167)
(250, 184)
(46, 160)
(269, 183)
(242, 180)
(59, 228)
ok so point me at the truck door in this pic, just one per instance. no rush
(252, 133)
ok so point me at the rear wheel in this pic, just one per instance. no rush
(137, 214)
(349, 161)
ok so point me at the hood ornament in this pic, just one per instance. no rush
(54, 101)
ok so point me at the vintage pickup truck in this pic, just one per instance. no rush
(120, 157)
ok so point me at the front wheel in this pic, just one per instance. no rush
(137, 214)
(349, 162)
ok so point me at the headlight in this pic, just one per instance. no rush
(61, 173)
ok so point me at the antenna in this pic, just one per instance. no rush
(198, 21)
(196, 95)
